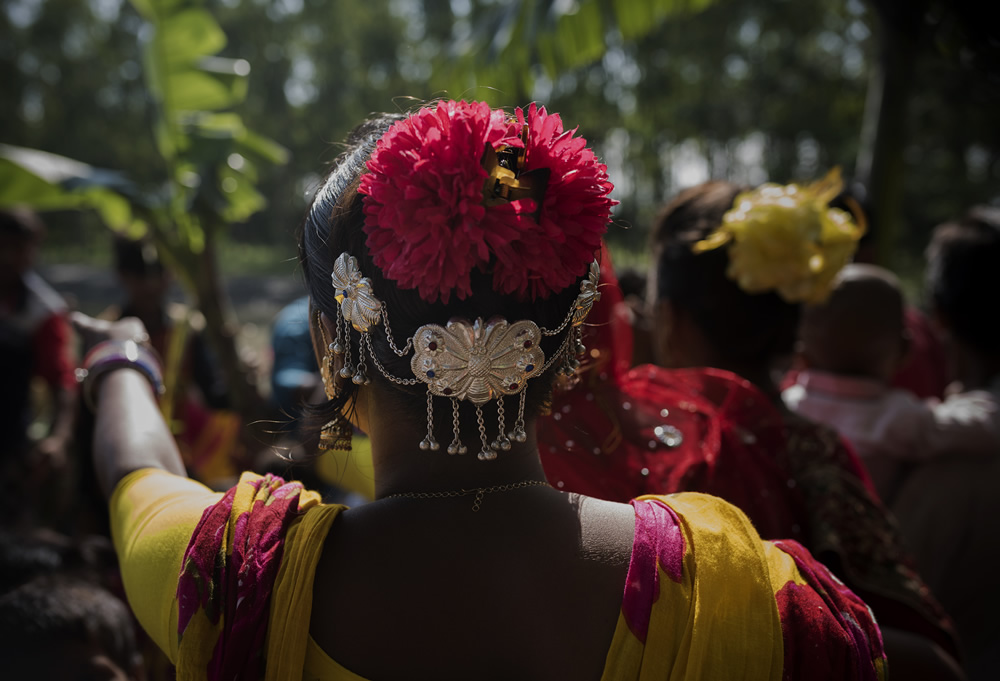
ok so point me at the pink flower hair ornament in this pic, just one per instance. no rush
(441, 200)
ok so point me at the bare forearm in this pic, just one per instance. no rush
(130, 432)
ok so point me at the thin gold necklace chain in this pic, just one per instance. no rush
(480, 492)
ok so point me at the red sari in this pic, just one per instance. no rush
(618, 434)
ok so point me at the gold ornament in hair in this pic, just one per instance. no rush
(788, 239)
(338, 431)
(474, 361)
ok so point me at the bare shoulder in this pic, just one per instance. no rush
(607, 529)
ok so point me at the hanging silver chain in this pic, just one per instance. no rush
(502, 442)
(346, 371)
(388, 335)
(382, 369)
(569, 317)
(456, 446)
(486, 453)
(429, 442)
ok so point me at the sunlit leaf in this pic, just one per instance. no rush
(195, 90)
(20, 187)
(190, 235)
(137, 229)
(242, 200)
(189, 36)
(219, 125)
(164, 7)
(145, 8)
(113, 208)
(582, 35)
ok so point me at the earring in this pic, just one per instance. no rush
(338, 432)
(336, 435)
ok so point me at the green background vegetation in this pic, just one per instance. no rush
(208, 123)
(668, 92)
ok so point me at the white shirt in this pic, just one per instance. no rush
(889, 427)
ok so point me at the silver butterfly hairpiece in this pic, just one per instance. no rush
(474, 361)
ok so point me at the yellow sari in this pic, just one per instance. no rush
(223, 583)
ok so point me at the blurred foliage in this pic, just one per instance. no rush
(205, 159)
(669, 91)
(508, 43)
(52, 182)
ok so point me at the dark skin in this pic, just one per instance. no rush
(450, 592)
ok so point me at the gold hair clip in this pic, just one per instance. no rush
(506, 181)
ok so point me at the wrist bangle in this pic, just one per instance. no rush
(110, 355)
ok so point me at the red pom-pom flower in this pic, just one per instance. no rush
(428, 224)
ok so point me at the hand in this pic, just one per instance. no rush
(94, 331)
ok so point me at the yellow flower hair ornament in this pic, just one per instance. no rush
(788, 239)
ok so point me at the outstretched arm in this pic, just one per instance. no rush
(129, 433)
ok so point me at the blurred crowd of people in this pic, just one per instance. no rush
(864, 425)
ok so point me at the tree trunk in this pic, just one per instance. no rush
(221, 329)
(880, 167)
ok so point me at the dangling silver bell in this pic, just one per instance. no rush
(336, 348)
(487, 455)
(429, 443)
(346, 371)
(359, 378)
(518, 435)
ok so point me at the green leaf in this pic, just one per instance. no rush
(190, 35)
(153, 68)
(582, 35)
(215, 125)
(264, 148)
(164, 7)
(21, 187)
(242, 200)
(191, 235)
(138, 229)
(113, 208)
(197, 91)
(153, 10)
(145, 8)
